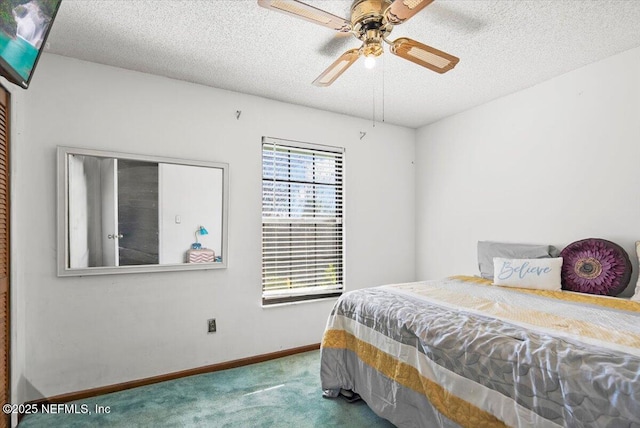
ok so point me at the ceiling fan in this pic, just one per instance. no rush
(371, 22)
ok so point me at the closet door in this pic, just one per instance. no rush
(5, 420)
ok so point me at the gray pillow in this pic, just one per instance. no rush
(487, 250)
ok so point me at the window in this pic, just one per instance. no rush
(302, 221)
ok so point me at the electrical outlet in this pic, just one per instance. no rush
(212, 325)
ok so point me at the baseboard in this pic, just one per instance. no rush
(79, 395)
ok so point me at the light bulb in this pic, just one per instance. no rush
(370, 62)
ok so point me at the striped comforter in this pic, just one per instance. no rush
(460, 352)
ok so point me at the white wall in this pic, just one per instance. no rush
(554, 163)
(80, 333)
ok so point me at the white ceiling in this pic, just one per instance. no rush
(503, 46)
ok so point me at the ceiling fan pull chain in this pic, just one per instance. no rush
(373, 109)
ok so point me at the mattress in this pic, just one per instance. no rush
(461, 352)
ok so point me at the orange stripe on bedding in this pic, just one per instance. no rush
(592, 299)
(451, 406)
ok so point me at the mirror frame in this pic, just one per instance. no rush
(63, 215)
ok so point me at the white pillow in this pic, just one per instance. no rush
(636, 295)
(540, 274)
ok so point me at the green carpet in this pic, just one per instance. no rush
(279, 393)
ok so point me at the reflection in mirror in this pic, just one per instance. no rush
(131, 213)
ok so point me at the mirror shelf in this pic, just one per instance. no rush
(129, 213)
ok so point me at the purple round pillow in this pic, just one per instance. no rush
(595, 266)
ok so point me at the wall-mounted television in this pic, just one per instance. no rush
(24, 28)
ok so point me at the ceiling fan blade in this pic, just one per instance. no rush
(309, 13)
(424, 55)
(337, 68)
(401, 10)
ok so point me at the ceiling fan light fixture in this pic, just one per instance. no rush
(372, 45)
(371, 22)
(369, 62)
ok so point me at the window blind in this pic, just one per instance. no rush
(302, 221)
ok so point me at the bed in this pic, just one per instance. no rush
(463, 352)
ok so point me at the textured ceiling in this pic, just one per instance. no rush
(503, 46)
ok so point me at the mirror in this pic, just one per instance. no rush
(126, 213)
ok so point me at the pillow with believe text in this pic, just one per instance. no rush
(539, 274)
(487, 250)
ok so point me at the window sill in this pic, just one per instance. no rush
(298, 302)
